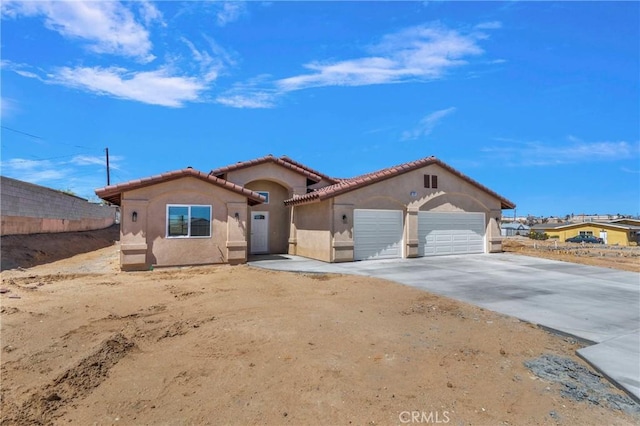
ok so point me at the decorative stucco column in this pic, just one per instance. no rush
(293, 239)
(133, 236)
(494, 239)
(236, 232)
(342, 233)
(411, 236)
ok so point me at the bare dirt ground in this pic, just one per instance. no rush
(35, 249)
(83, 343)
(624, 258)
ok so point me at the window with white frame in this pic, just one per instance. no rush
(188, 221)
(265, 194)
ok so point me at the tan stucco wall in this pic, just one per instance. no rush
(614, 236)
(144, 242)
(453, 194)
(279, 218)
(312, 231)
(295, 182)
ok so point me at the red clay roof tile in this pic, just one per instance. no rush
(287, 164)
(309, 169)
(347, 185)
(113, 193)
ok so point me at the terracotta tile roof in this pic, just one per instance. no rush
(287, 164)
(113, 193)
(309, 169)
(347, 185)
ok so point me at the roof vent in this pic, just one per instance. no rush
(189, 167)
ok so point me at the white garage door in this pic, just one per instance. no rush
(377, 234)
(450, 233)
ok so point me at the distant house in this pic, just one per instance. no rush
(623, 232)
(273, 205)
(511, 229)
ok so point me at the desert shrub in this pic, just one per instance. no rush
(538, 235)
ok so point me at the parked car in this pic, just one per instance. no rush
(585, 239)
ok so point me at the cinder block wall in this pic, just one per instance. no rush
(32, 209)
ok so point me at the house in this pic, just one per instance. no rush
(623, 232)
(514, 228)
(273, 205)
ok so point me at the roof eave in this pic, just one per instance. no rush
(266, 159)
(113, 193)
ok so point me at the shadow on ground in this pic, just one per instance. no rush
(25, 251)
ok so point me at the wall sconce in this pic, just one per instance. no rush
(344, 218)
(236, 215)
(134, 217)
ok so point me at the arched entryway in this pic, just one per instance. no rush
(269, 223)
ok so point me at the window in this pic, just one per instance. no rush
(430, 181)
(188, 221)
(265, 194)
(589, 233)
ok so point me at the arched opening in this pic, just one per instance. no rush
(269, 223)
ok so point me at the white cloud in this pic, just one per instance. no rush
(491, 25)
(152, 87)
(33, 171)
(209, 63)
(87, 160)
(247, 99)
(92, 160)
(107, 26)
(79, 174)
(27, 74)
(230, 11)
(150, 13)
(7, 107)
(522, 153)
(421, 53)
(427, 124)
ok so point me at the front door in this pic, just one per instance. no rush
(259, 232)
(603, 235)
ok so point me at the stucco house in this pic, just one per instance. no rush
(623, 232)
(511, 229)
(273, 205)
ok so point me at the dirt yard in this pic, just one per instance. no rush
(83, 343)
(624, 258)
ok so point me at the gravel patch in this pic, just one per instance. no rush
(579, 383)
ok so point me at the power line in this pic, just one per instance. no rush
(26, 160)
(43, 139)
(22, 133)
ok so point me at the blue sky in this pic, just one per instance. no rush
(540, 101)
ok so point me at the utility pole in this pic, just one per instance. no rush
(108, 173)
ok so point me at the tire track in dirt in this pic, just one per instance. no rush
(42, 406)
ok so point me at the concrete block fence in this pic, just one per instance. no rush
(32, 209)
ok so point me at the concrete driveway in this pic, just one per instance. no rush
(597, 305)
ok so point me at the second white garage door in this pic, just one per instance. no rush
(377, 234)
(450, 233)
